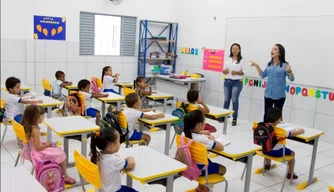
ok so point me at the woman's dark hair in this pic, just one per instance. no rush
(105, 69)
(101, 140)
(239, 55)
(191, 120)
(30, 118)
(281, 51)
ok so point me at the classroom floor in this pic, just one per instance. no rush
(271, 182)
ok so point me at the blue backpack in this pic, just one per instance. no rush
(180, 113)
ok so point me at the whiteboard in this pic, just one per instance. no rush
(308, 42)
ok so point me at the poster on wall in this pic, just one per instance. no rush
(213, 60)
(50, 28)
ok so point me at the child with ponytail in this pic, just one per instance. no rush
(194, 123)
(108, 79)
(110, 164)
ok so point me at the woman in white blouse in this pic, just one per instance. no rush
(234, 71)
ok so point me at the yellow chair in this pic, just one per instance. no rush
(88, 171)
(331, 188)
(98, 82)
(199, 154)
(4, 122)
(127, 91)
(281, 137)
(47, 87)
(121, 118)
(21, 135)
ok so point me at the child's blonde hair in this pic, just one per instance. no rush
(30, 118)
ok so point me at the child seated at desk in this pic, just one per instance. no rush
(57, 87)
(109, 163)
(193, 99)
(143, 89)
(274, 118)
(84, 87)
(108, 79)
(133, 112)
(194, 123)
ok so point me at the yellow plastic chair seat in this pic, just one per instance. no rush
(278, 159)
(135, 142)
(331, 188)
(213, 178)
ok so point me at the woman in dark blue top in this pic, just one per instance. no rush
(276, 70)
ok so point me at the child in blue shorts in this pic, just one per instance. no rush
(84, 88)
(194, 124)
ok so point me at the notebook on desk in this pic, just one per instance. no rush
(151, 113)
(223, 142)
(287, 127)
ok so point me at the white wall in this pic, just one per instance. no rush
(32, 60)
(198, 29)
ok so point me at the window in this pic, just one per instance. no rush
(107, 34)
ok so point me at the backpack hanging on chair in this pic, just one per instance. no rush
(111, 119)
(74, 104)
(265, 136)
(50, 176)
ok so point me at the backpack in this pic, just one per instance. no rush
(74, 104)
(179, 125)
(184, 156)
(112, 121)
(265, 136)
(50, 176)
(2, 114)
(94, 87)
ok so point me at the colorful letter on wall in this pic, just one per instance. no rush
(51, 28)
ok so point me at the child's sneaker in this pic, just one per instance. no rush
(294, 176)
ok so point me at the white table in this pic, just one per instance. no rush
(72, 126)
(149, 166)
(178, 87)
(310, 136)
(18, 179)
(24, 88)
(217, 112)
(112, 98)
(167, 120)
(240, 150)
(160, 96)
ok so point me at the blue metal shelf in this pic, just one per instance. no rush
(146, 41)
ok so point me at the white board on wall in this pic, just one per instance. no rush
(308, 42)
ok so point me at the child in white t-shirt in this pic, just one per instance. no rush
(57, 88)
(194, 123)
(84, 88)
(133, 112)
(108, 80)
(108, 161)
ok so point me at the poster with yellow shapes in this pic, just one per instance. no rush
(51, 28)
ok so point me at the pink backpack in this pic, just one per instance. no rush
(184, 156)
(50, 176)
(94, 87)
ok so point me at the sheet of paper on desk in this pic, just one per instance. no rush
(151, 113)
(222, 141)
(287, 127)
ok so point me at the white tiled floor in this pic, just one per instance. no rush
(271, 182)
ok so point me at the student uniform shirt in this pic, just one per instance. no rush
(108, 82)
(132, 115)
(56, 88)
(232, 65)
(203, 139)
(12, 106)
(88, 98)
(279, 146)
(110, 166)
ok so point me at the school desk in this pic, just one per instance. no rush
(49, 103)
(112, 98)
(311, 137)
(121, 84)
(151, 165)
(178, 87)
(72, 126)
(167, 120)
(24, 88)
(240, 150)
(217, 113)
(160, 96)
(19, 179)
(72, 87)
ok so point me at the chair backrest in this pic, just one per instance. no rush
(280, 133)
(46, 84)
(198, 151)
(121, 118)
(2, 103)
(19, 131)
(98, 82)
(191, 107)
(127, 91)
(88, 170)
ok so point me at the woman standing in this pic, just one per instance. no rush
(234, 70)
(277, 70)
